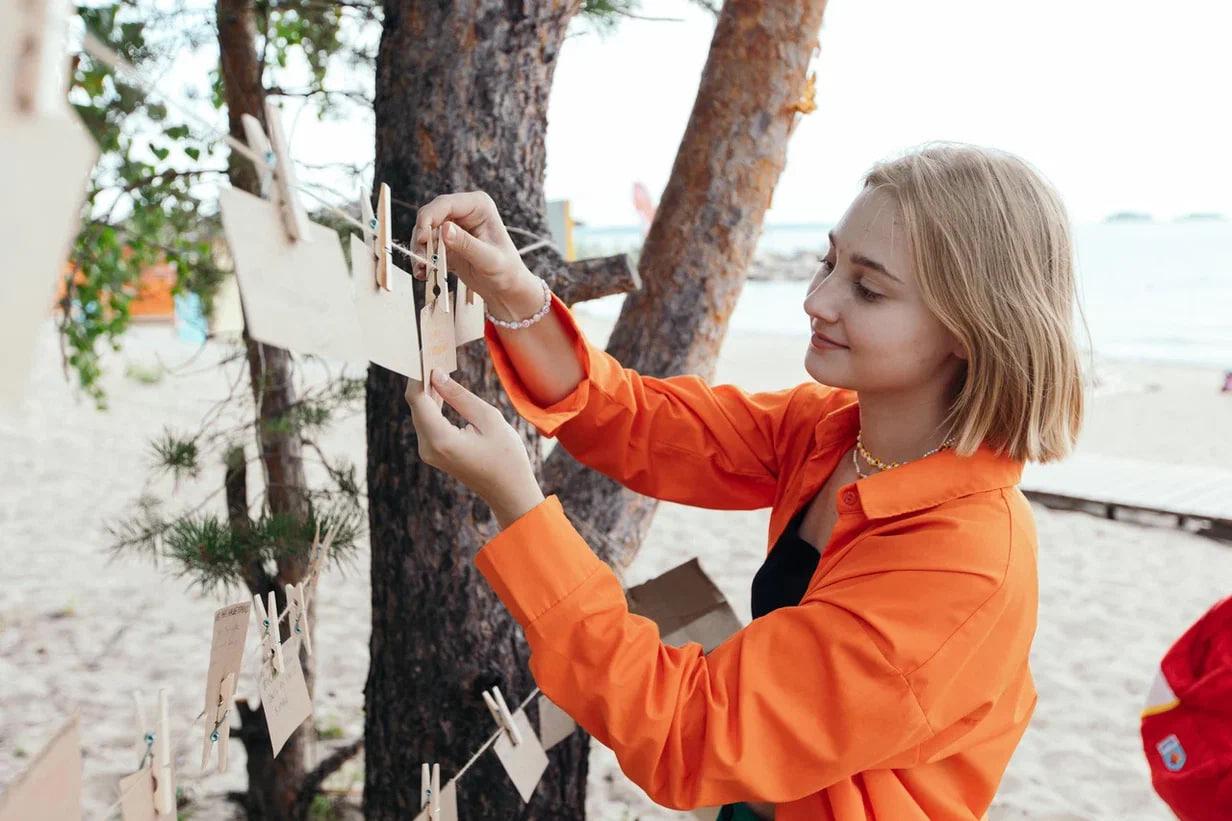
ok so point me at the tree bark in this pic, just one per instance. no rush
(696, 255)
(461, 102)
(273, 783)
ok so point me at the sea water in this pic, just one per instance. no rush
(1154, 291)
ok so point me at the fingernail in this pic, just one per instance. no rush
(448, 231)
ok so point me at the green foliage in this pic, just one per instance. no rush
(152, 197)
(141, 209)
(176, 456)
(215, 556)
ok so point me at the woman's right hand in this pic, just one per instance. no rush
(480, 250)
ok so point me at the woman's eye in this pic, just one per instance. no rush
(865, 294)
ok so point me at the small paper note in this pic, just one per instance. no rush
(137, 796)
(686, 605)
(467, 314)
(284, 696)
(296, 295)
(226, 658)
(50, 788)
(449, 805)
(387, 319)
(526, 762)
(555, 725)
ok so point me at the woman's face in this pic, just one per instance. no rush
(865, 299)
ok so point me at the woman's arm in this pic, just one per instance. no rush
(796, 701)
(543, 353)
(675, 438)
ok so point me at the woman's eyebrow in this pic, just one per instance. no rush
(860, 259)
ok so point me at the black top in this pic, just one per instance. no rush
(783, 578)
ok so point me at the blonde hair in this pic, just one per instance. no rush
(991, 245)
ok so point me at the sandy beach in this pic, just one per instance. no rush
(80, 633)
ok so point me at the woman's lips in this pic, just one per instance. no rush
(823, 343)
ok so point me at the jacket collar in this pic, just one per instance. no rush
(919, 484)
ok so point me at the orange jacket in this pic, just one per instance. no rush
(897, 689)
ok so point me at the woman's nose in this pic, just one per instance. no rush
(821, 301)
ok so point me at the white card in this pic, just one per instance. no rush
(555, 725)
(284, 696)
(46, 166)
(296, 295)
(526, 762)
(387, 319)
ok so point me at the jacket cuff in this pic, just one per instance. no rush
(546, 419)
(537, 562)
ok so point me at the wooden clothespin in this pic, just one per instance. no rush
(501, 715)
(267, 623)
(274, 151)
(430, 790)
(316, 555)
(219, 719)
(436, 328)
(384, 239)
(297, 614)
(155, 748)
(377, 232)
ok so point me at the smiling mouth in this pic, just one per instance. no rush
(825, 342)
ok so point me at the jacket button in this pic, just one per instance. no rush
(849, 498)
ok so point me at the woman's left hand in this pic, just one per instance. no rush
(487, 455)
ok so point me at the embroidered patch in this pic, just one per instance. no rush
(1172, 753)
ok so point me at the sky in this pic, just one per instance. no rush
(1122, 105)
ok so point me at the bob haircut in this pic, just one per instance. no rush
(991, 244)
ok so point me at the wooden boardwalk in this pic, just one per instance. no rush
(1104, 485)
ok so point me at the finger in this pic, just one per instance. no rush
(479, 255)
(469, 406)
(467, 208)
(430, 423)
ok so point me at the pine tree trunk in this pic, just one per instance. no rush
(461, 103)
(706, 227)
(273, 783)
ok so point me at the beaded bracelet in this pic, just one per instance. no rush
(517, 325)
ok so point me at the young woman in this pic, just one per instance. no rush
(885, 672)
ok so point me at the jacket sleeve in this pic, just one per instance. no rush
(791, 704)
(674, 438)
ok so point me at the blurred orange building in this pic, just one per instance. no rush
(153, 301)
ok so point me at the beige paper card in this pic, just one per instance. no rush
(50, 788)
(686, 605)
(226, 657)
(137, 796)
(440, 348)
(296, 295)
(526, 762)
(555, 725)
(467, 314)
(43, 175)
(284, 696)
(387, 319)
(449, 805)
